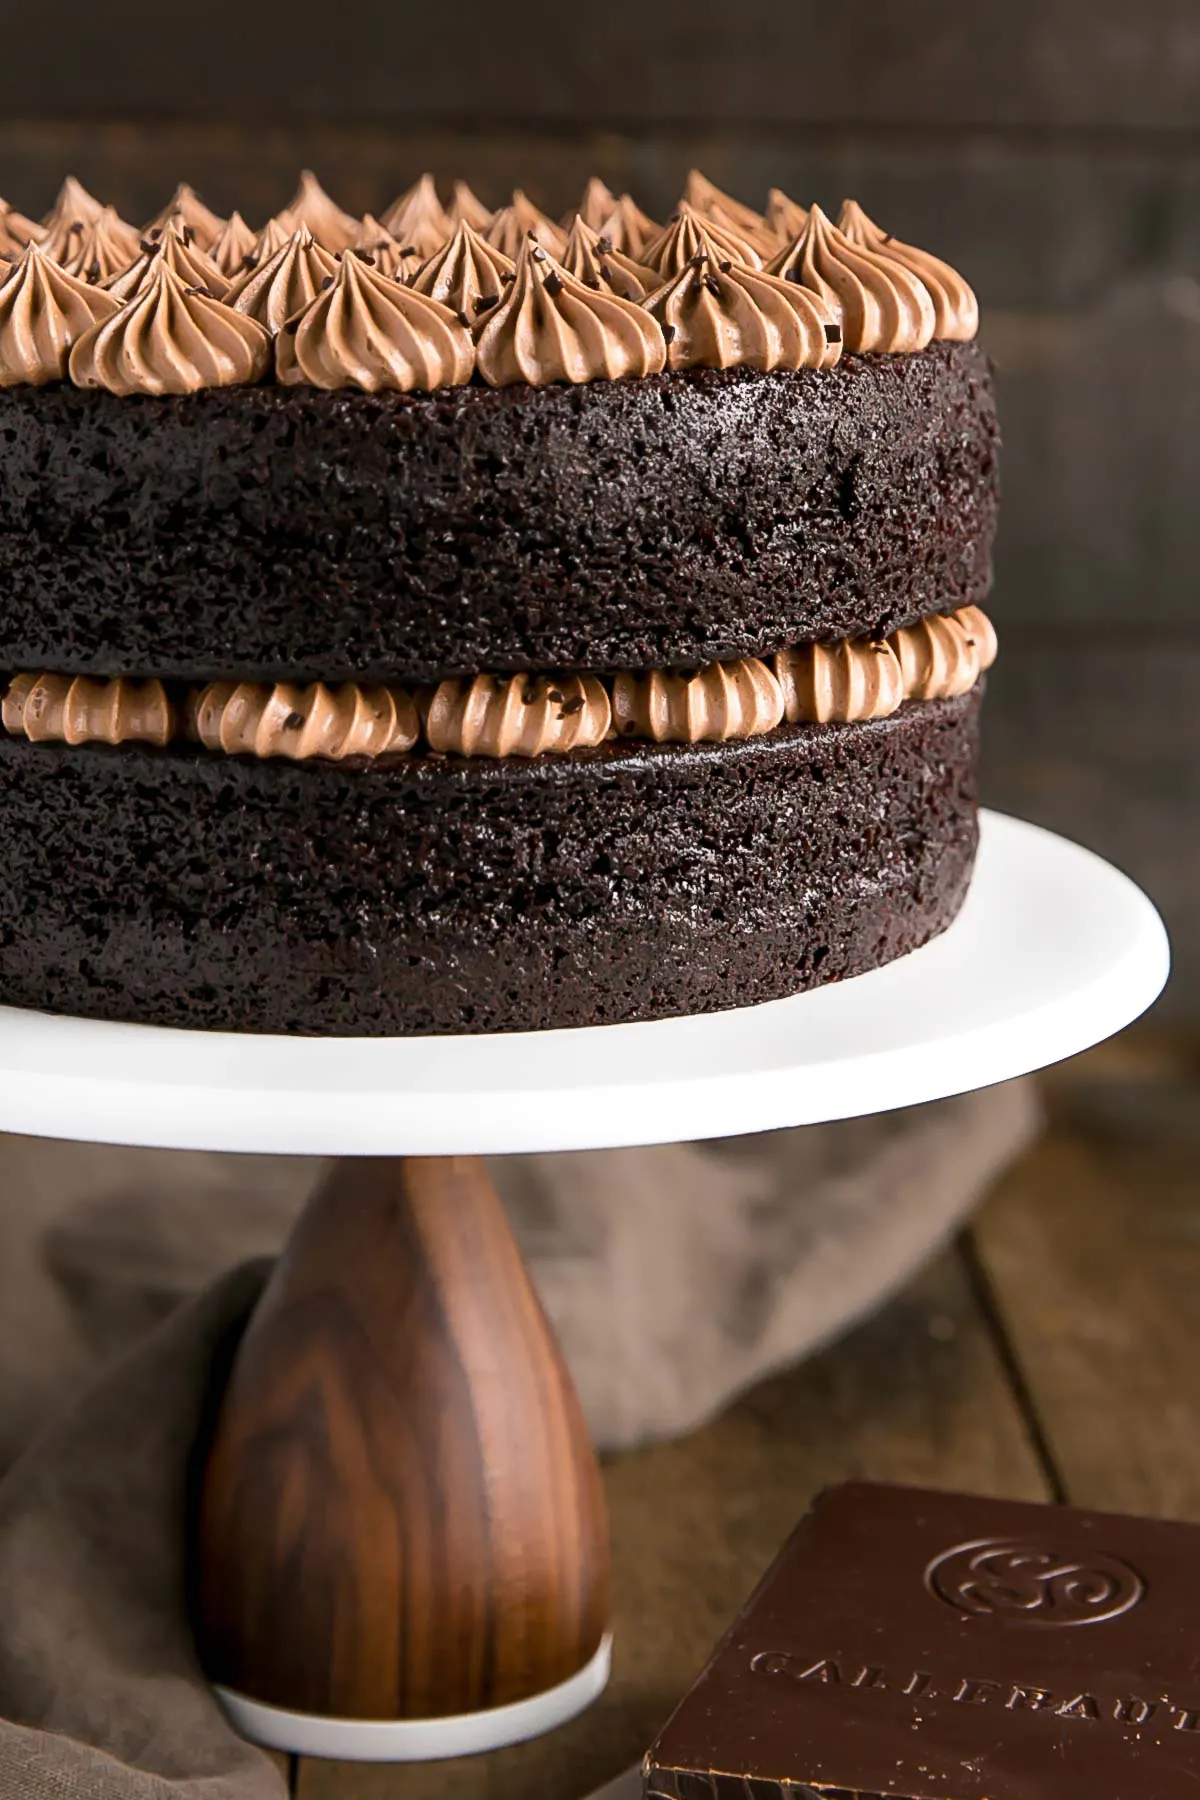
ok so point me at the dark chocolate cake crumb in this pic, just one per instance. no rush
(431, 895)
(286, 533)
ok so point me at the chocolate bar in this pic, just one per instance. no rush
(931, 1646)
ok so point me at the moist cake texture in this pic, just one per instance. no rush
(453, 621)
(479, 894)
(666, 521)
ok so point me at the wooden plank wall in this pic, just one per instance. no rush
(1050, 147)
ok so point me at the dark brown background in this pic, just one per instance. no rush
(1052, 150)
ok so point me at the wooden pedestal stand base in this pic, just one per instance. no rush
(401, 1515)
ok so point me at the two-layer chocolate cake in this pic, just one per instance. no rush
(455, 621)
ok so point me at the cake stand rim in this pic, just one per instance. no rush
(1054, 950)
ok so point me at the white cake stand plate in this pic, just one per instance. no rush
(1053, 951)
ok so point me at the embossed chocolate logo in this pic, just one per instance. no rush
(1024, 1582)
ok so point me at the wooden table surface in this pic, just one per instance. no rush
(1052, 1353)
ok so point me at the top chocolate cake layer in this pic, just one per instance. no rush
(672, 520)
(932, 1646)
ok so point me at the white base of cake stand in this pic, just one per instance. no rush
(420, 1740)
(1053, 951)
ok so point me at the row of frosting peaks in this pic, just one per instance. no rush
(543, 304)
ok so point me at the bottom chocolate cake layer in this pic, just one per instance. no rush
(425, 895)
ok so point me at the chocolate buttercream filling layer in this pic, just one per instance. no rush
(516, 715)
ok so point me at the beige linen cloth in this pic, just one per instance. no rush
(144, 1265)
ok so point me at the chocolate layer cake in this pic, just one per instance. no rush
(467, 623)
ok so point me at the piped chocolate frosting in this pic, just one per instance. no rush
(550, 327)
(718, 284)
(368, 332)
(43, 312)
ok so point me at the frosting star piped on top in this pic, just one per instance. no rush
(732, 215)
(419, 219)
(284, 283)
(955, 308)
(310, 205)
(72, 205)
(43, 312)
(233, 245)
(80, 231)
(467, 274)
(520, 219)
(16, 230)
(784, 217)
(185, 208)
(171, 245)
(628, 228)
(550, 327)
(368, 332)
(881, 303)
(171, 339)
(717, 314)
(595, 260)
(386, 253)
(466, 208)
(689, 233)
(101, 248)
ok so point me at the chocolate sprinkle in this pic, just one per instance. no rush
(554, 282)
(833, 334)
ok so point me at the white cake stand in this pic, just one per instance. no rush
(1053, 951)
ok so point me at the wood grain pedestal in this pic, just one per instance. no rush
(401, 1516)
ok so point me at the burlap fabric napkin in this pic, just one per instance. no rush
(787, 1237)
(101, 1693)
